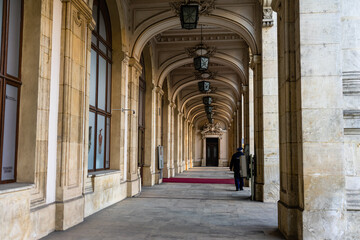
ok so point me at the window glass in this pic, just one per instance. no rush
(109, 88)
(102, 83)
(93, 78)
(107, 163)
(100, 141)
(91, 146)
(14, 38)
(9, 143)
(102, 47)
(102, 28)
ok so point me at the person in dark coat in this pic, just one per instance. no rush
(235, 166)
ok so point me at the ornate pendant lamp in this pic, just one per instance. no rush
(189, 15)
(204, 86)
(207, 100)
(209, 115)
(201, 62)
(211, 121)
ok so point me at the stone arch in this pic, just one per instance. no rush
(190, 81)
(183, 59)
(192, 96)
(221, 18)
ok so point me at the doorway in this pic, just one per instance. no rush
(212, 152)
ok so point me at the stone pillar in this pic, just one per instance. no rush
(191, 144)
(150, 137)
(311, 123)
(186, 143)
(73, 111)
(350, 19)
(249, 96)
(158, 126)
(177, 141)
(172, 139)
(270, 115)
(247, 116)
(133, 174)
(166, 128)
(203, 163)
(181, 142)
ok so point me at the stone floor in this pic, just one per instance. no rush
(182, 211)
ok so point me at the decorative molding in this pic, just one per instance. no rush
(205, 6)
(212, 129)
(267, 20)
(162, 38)
(351, 83)
(265, 3)
(353, 200)
(191, 52)
(352, 131)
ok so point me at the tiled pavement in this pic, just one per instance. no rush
(182, 211)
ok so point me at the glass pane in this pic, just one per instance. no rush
(1, 18)
(102, 83)
(107, 165)
(91, 141)
(14, 38)
(102, 29)
(215, 152)
(93, 39)
(93, 78)
(109, 88)
(100, 148)
(102, 47)
(95, 14)
(9, 147)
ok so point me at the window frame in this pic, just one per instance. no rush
(106, 113)
(7, 79)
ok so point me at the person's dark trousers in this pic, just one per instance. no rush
(238, 181)
(241, 183)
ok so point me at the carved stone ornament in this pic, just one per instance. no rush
(212, 129)
(268, 17)
(205, 6)
(200, 49)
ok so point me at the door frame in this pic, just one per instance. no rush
(218, 149)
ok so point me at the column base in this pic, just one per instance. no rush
(267, 192)
(148, 176)
(69, 213)
(133, 186)
(290, 221)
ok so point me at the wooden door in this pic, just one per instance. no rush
(212, 152)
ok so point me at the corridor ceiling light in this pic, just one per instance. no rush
(189, 11)
(207, 100)
(201, 62)
(211, 121)
(209, 115)
(209, 109)
(189, 15)
(204, 86)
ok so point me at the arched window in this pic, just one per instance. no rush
(100, 90)
(10, 82)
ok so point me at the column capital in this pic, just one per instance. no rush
(135, 63)
(124, 57)
(172, 105)
(255, 59)
(158, 90)
(82, 7)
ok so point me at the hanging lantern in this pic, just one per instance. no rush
(207, 100)
(201, 63)
(210, 115)
(208, 109)
(204, 86)
(189, 16)
(211, 121)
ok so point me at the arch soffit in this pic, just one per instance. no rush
(194, 95)
(218, 111)
(197, 105)
(183, 59)
(191, 81)
(221, 18)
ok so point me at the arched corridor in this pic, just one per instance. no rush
(182, 211)
(105, 102)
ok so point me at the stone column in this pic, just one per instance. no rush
(351, 94)
(246, 114)
(203, 163)
(172, 139)
(191, 144)
(133, 174)
(311, 123)
(271, 178)
(158, 126)
(186, 143)
(180, 141)
(176, 142)
(73, 111)
(249, 96)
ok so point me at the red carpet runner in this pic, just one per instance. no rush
(199, 180)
